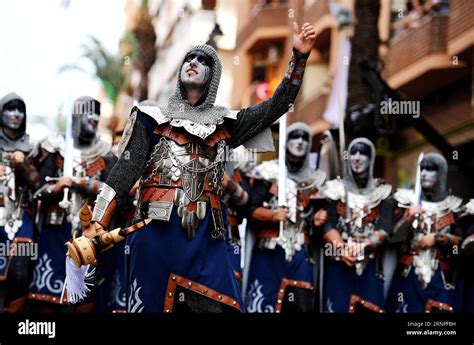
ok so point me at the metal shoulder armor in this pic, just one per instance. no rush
(127, 133)
(333, 189)
(404, 197)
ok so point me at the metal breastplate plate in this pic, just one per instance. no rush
(11, 196)
(193, 166)
(436, 217)
(363, 214)
(192, 174)
(85, 168)
(426, 262)
(292, 239)
(358, 227)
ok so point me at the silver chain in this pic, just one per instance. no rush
(180, 165)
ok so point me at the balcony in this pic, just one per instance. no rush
(460, 28)
(271, 22)
(420, 60)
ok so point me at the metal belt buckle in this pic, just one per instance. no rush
(160, 210)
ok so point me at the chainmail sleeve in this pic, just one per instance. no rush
(131, 164)
(129, 168)
(252, 120)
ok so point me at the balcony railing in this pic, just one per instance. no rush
(430, 35)
(411, 45)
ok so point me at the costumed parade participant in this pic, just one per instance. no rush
(359, 221)
(236, 190)
(178, 262)
(72, 171)
(424, 280)
(280, 273)
(18, 179)
(466, 264)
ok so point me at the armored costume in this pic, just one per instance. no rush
(17, 181)
(465, 286)
(280, 276)
(179, 262)
(359, 220)
(424, 280)
(91, 163)
(236, 197)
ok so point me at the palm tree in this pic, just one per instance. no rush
(108, 67)
(144, 36)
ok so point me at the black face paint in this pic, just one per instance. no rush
(298, 133)
(86, 114)
(201, 63)
(13, 115)
(428, 166)
(362, 148)
(201, 56)
(15, 104)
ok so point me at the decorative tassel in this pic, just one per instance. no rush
(75, 283)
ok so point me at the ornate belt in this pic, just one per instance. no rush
(157, 202)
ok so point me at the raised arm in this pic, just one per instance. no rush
(252, 120)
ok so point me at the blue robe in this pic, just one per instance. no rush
(154, 259)
(49, 272)
(407, 296)
(268, 268)
(341, 282)
(24, 234)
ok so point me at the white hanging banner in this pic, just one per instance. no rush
(339, 90)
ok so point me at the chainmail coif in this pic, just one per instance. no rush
(440, 190)
(206, 113)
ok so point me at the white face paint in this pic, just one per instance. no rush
(195, 71)
(298, 143)
(89, 123)
(429, 177)
(359, 162)
(298, 147)
(12, 119)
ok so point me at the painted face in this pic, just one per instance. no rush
(429, 175)
(196, 69)
(298, 143)
(89, 124)
(360, 158)
(12, 117)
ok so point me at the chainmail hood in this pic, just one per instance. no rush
(305, 172)
(350, 179)
(206, 112)
(440, 190)
(8, 98)
(22, 142)
(83, 105)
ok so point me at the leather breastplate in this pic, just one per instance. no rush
(187, 172)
